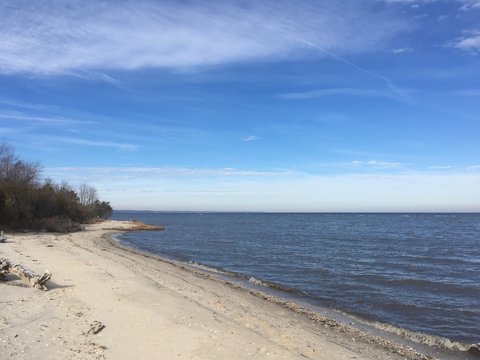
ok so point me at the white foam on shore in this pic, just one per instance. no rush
(204, 267)
(254, 281)
(115, 238)
(421, 338)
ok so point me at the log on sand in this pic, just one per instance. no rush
(25, 274)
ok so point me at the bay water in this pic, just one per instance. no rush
(415, 271)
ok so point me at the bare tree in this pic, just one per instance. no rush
(7, 158)
(87, 195)
(15, 171)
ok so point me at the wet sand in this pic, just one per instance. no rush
(155, 309)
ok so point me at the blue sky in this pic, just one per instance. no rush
(249, 105)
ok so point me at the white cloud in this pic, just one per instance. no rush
(470, 4)
(95, 143)
(469, 92)
(79, 36)
(442, 167)
(250, 138)
(332, 92)
(47, 120)
(100, 77)
(7, 102)
(409, 2)
(375, 164)
(402, 50)
(157, 172)
(470, 42)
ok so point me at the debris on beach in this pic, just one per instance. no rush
(96, 327)
(474, 349)
(25, 274)
(3, 237)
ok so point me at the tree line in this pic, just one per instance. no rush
(29, 203)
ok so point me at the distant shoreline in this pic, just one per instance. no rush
(301, 212)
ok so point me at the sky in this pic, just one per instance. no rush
(250, 105)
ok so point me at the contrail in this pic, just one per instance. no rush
(386, 80)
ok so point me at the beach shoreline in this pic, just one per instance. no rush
(155, 308)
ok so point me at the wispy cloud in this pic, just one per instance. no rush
(402, 50)
(96, 143)
(374, 164)
(442, 167)
(469, 92)
(414, 3)
(8, 102)
(469, 42)
(470, 4)
(333, 92)
(134, 172)
(44, 120)
(100, 77)
(78, 36)
(250, 138)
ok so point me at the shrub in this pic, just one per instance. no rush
(25, 203)
(60, 224)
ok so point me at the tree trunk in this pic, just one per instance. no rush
(27, 275)
(3, 238)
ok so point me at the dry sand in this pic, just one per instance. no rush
(153, 309)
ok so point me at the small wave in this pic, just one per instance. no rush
(247, 278)
(421, 338)
(204, 267)
(319, 271)
(432, 285)
(116, 238)
(448, 260)
(254, 281)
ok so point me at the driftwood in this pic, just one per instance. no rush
(25, 274)
(3, 238)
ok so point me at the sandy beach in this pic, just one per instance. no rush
(154, 309)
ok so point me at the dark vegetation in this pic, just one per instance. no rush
(29, 203)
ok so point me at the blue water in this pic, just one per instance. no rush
(416, 271)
